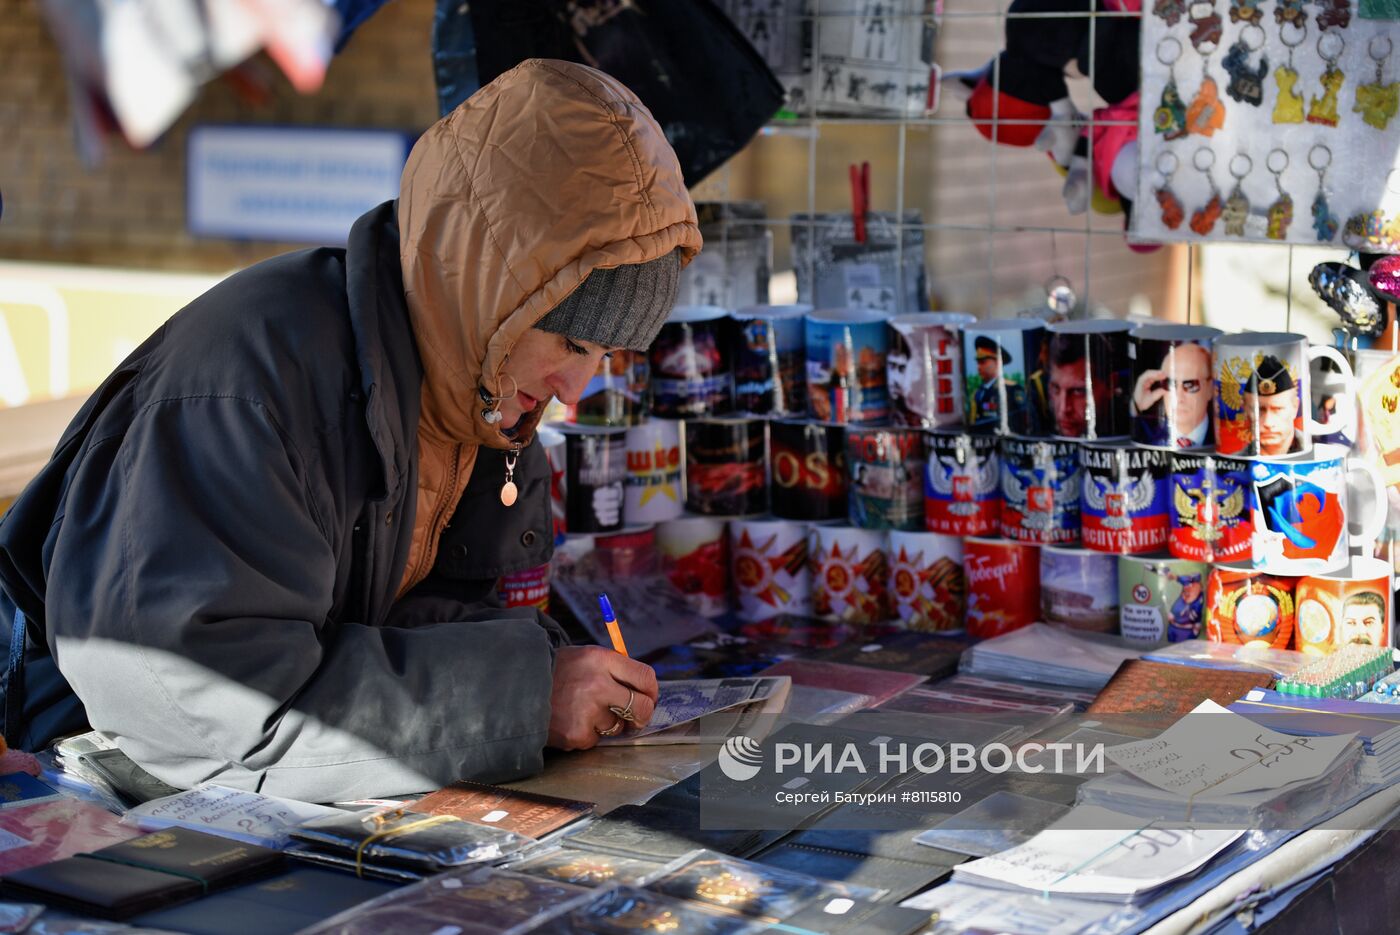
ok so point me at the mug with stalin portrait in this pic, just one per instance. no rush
(1262, 393)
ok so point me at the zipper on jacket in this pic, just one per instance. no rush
(425, 561)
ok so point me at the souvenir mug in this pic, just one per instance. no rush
(617, 393)
(725, 473)
(770, 567)
(1161, 599)
(1210, 516)
(1349, 605)
(962, 484)
(1040, 490)
(769, 369)
(693, 560)
(654, 491)
(886, 478)
(850, 574)
(596, 471)
(846, 377)
(1004, 372)
(1124, 503)
(691, 366)
(1079, 588)
(927, 586)
(1088, 377)
(924, 367)
(808, 468)
(1299, 510)
(1173, 385)
(552, 441)
(1249, 607)
(1003, 585)
(1262, 390)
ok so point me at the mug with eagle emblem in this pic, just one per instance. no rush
(1124, 503)
(1210, 515)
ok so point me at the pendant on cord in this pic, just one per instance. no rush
(509, 492)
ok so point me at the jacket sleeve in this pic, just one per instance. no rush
(189, 603)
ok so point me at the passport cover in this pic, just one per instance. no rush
(408, 839)
(23, 789)
(99, 888)
(219, 861)
(472, 901)
(133, 784)
(897, 879)
(281, 905)
(1140, 687)
(590, 868)
(880, 684)
(45, 831)
(531, 814)
(658, 834)
(859, 918)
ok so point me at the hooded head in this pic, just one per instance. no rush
(550, 190)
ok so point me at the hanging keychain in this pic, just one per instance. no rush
(1170, 117)
(1378, 102)
(1246, 11)
(1281, 211)
(1206, 26)
(1246, 83)
(1173, 213)
(1289, 108)
(1237, 205)
(1203, 220)
(1323, 110)
(1333, 14)
(1290, 11)
(1170, 10)
(1324, 222)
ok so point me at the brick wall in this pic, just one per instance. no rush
(130, 211)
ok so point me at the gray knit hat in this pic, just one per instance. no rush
(620, 307)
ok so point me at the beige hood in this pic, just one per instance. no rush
(507, 204)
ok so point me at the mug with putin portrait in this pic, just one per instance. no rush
(1088, 375)
(1173, 387)
(1261, 384)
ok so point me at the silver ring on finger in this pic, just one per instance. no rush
(625, 714)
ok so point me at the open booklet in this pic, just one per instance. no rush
(710, 710)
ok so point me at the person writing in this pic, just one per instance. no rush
(263, 552)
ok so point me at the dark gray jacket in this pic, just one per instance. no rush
(213, 553)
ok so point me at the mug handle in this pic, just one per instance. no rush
(1374, 523)
(1316, 428)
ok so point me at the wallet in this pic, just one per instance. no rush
(133, 785)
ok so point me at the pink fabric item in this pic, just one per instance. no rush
(1110, 140)
(17, 761)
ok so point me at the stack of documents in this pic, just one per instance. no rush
(1042, 653)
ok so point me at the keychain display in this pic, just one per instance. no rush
(1378, 102)
(1281, 211)
(1203, 219)
(1323, 109)
(1289, 108)
(1236, 211)
(1246, 81)
(1170, 117)
(1324, 222)
(1173, 213)
(1297, 107)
